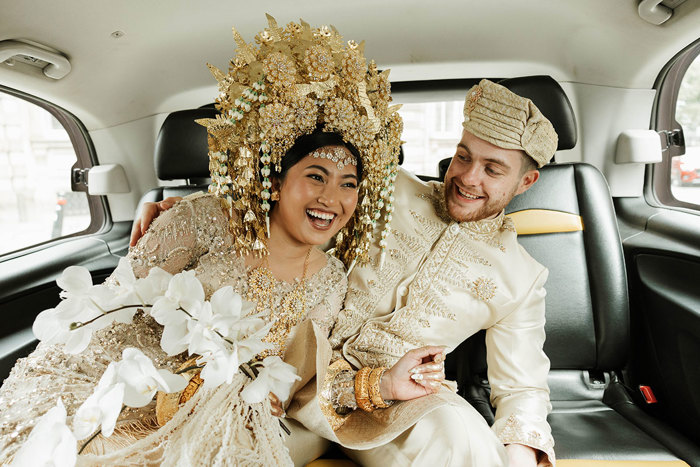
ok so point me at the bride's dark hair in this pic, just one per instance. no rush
(306, 144)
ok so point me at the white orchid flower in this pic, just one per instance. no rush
(142, 380)
(75, 281)
(228, 308)
(102, 408)
(235, 314)
(205, 332)
(153, 286)
(132, 291)
(219, 367)
(124, 292)
(53, 326)
(254, 344)
(186, 292)
(51, 443)
(78, 292)
(82, 303)
(275, 377)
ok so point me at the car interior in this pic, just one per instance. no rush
(620, 237)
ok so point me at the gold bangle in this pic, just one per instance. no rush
(375, 393)
(362, 389)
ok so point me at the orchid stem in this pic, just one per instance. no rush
(82, 448)
(78, 325)
(89, 440)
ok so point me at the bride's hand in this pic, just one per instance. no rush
(275, 406)
(418, 373)
(149, 212)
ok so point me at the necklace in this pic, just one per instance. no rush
(261, 285)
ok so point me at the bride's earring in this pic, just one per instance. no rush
(275, 196)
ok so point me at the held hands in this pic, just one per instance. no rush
(149, 212)
(418, 373)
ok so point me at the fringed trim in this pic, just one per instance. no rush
(125, 434)
(214, 428)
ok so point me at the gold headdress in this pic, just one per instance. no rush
(295, 79)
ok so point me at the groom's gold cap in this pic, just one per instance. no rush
(501, 117)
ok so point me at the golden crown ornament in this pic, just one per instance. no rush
(291, 81)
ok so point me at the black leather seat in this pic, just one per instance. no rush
(587, 309)
(181, 153)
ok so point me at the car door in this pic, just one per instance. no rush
(661, 239)
(49, 222)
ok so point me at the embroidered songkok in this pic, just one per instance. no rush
(501, 117)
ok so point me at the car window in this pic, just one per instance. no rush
(685, 169)
(431, 133)
(36, 157)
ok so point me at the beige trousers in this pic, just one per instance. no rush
(447, 436)
(304, 445)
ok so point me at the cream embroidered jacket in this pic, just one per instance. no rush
(443, 281)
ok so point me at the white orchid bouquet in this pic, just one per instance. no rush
(222, 333)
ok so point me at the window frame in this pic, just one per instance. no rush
(668, 83)
(100, 219)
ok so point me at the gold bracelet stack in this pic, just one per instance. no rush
(362, 390)
(367, 392)
(375, 393)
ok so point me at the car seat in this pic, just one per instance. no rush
(566, 221)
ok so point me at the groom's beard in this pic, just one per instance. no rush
(490, 209)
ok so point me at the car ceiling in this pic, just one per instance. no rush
(158, 65)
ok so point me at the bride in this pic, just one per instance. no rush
(304, 151)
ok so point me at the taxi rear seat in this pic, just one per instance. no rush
(594, 419)
(566, 221)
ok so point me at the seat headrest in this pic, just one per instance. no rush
(551, 99)
(181, 148)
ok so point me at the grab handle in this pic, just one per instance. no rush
(58, 65)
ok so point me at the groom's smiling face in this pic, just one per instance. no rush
(483, 178)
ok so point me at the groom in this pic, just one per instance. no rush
(453, 267)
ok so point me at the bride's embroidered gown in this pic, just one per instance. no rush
(214, 427)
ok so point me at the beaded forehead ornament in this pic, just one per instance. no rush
(337, 155)
(292, 80)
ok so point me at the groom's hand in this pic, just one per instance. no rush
(418, 373)
(149, 212)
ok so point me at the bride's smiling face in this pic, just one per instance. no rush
(316, 198)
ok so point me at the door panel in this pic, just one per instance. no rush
(28, 284)
(662, 249)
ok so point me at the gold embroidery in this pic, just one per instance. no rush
(409, 244)
(431, 230)
(360, 305)
(483, 288)
(261, 285)
(513, 432)
(448, 252)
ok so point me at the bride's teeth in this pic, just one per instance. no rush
(320, 215)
